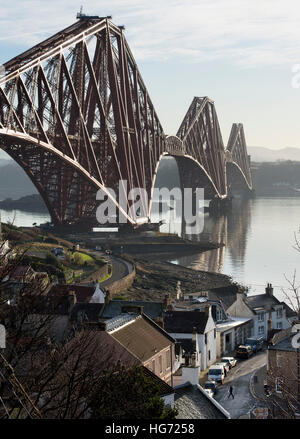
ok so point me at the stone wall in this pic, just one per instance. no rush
(122, 284)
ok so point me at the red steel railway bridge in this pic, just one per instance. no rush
(75, 114)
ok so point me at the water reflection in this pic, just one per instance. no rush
(231, 230)
(259, 237)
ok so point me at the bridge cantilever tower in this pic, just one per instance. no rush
(75, 114)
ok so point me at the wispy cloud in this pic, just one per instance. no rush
(247, 32)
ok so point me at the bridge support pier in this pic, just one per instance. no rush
(217, 205)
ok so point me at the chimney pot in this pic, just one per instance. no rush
(269, 289)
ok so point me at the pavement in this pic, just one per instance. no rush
(257, 383)
(241, 378)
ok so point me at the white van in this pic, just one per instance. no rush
(216, 373)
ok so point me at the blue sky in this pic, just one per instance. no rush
(240, 53)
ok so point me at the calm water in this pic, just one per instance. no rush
(259, 236)
(21, 218)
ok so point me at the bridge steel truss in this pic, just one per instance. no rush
(76, 116)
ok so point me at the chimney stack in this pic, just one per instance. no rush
(167, 302)
(72, 299)
(269, 290)
(207, 309)
(159, 321)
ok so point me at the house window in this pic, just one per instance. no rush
(153, 366)
(279, 325)
(279, 359)
(260, 317)
(219, 315)
(279, 385)
(168, 357)
(160, 364)
(208, 355)
(215, 332)
(205, 338)
(261, 330)
(279, 313)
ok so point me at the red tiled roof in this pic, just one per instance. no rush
(83, 293)
(141, 338)
(20, 271)
(106, 349)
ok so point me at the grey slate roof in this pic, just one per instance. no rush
(114, 308)
(88, 311)
(119, 321)
(289, 311)
(264, 301)
(183, 322)
(226, 294)
(284, 345)
(192, 404)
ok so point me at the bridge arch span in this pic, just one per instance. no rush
(14, 143)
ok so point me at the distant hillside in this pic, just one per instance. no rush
(30, 203)
(260, 154)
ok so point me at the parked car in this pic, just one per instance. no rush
(231, 360)
(108, 252)
(209, 392)
(212, 385)
(266, 388)
(216, 373)
(226, 367)
(243, 351)
(256, 343)
(226, 363)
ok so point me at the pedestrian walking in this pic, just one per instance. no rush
(231, 392)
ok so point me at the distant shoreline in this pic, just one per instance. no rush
(29, 203)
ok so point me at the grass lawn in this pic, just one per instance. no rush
(82, 257)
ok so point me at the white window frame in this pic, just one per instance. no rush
(261, 316)
(160, 364)
(279, 325)
(278, 359)
(260, 332)
(279, 313)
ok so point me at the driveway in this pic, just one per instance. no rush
(239, 378)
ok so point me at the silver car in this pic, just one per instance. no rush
(231, 360)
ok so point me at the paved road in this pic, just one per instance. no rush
(239, 378)
(120, 269)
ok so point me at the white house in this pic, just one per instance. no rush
(183, 324)
(266, 311)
